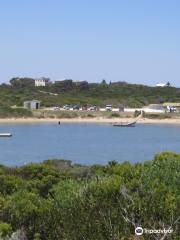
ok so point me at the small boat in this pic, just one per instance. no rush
(124, 124)
(5, 134)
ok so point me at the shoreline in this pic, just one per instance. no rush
(88, 120)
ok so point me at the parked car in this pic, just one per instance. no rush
(76, 107)
(171, 109)
(108, 108)
(84, 108)
(56, 108)
(66, 107)
(92, 108)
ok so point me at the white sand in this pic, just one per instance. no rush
(89, 120)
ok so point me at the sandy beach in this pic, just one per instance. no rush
(88, 120)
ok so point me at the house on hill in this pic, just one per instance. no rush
(163, 84)
(41, 82)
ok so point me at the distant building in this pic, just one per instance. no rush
(42, 82)
(163, 84)
(34, 104)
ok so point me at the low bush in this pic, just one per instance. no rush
(157, 115)
(114, 115)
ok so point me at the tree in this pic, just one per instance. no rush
(103, 82)
(22, 82)
(168, 84)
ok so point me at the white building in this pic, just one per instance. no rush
(163, 84)
(41, 82)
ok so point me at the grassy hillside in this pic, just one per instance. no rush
(68, 92)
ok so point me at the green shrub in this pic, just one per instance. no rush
(5, 230)
(114, 115)
(89, 115)
(55, 200)
(157, 115)
(137, 113)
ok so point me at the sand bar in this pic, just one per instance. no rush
(89, 120)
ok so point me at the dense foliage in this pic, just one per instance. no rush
(57, 200)
(69, 92)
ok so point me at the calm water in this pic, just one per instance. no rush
(85, 143)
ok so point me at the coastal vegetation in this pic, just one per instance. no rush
(61, 201)
(19, 112)
(78, 114)
(100, 114)
(8, 112)
(84, 93)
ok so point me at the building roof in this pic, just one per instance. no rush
(32, 101)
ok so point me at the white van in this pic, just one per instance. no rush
(108, 107)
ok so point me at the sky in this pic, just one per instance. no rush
(136, 41)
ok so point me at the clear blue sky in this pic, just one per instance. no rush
(120, 40)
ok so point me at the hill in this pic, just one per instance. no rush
(100, 94)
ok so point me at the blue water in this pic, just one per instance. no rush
(85, 143)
